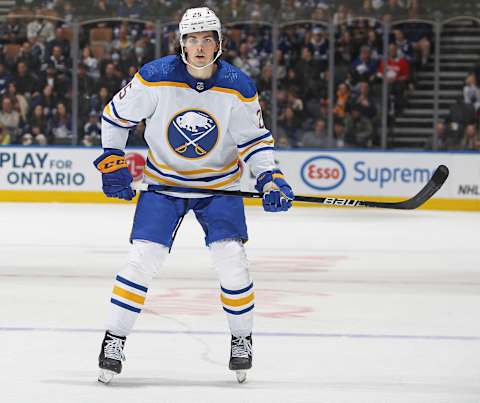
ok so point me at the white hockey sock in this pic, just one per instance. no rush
(237, 296)
(131, 285)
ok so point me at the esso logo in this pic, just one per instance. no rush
(135, 163)
(323, 173)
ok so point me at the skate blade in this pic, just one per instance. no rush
(105, 376)
(241, 376)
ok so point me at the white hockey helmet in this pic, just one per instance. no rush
(200, 19)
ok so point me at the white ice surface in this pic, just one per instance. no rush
(355, 306)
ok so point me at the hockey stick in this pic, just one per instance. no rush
(437, 180)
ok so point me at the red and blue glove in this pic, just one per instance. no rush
(116, 178)
(277, 193)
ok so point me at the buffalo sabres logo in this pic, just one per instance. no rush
(192, 133)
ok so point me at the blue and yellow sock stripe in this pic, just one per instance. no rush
(238, 302)
(128, 294)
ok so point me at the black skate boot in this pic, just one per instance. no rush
(241, 356)
(111, 357)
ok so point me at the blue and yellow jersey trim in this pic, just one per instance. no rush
(261, 143)
(224, 90)
(210, 178)
(112, 118)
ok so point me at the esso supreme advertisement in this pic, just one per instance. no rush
(323, 172)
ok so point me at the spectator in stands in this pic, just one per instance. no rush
(10, 118)
(130, 9)
(264, 82)
(318, 46)
(67, 13)
(471, 92)
(92, 129)
(5, 78)
(13, 31)
(307, 73)
(471, 139)
(57, 80)
(100, 100)
(397, 75)
(339, 135)
(364, 101)
(41, 140)
(101, 8)
(419, 34)
(345, 49)
(317, 137)
(374, 43)
(26, 55)
(90, 63)
(364, 68)
(62, 42)
(444, 139)
(233, 10)
(342, 99)
(404, 47)
(359, 129)
(111, 79)
(86, 84)
(26, 139)
(41, 28)
(58, 61)
(123, 44)
(62, 125)
(289, 126)
(39, 124)
(460, 115)
(247, 61)
(48, 100)
(5, 138)
(18, 99)
(26, 81)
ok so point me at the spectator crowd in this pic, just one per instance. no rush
(36, 66)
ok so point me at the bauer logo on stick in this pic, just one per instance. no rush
(192, 133)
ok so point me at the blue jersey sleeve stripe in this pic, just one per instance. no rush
(119, 117)
(125, 306)
(182, 178)
(264, 136)
(257, 151)
(115, 124)
(236, 292)
(131, 283)
(239, 312)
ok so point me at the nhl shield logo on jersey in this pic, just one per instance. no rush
(192, 133)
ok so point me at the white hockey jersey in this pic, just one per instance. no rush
(198, 131)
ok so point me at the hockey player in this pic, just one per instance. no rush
(202, 119)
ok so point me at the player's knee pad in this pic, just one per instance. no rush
(230, 262)
(144, 261)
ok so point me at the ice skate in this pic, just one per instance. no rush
(241, 356)
(111, 357)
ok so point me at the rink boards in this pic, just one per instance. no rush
(66, 174)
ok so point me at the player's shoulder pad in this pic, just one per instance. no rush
(231, 77)
(163, 69)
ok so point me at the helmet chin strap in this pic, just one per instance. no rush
(184, 58)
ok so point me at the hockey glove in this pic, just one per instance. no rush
(116, 177)
(277, 193)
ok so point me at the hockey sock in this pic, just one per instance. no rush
(230, 263)
(131, 285)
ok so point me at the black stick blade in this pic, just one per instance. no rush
(440, 175)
